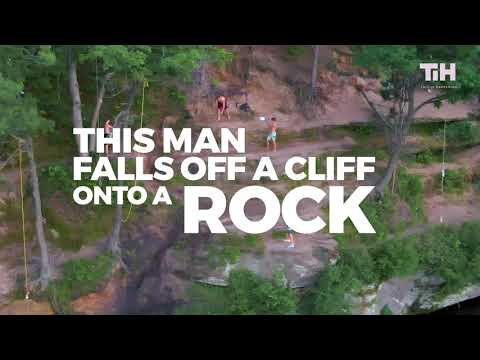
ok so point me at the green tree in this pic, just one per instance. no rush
(398, 66)
(21, 120)
(122, 60)
(138, 62)
(248, 294)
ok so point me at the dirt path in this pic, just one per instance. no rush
(466, 159)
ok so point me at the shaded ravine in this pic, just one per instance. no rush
(144, 247)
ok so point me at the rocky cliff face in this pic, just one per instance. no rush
(412, 295)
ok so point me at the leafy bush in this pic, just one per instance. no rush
(410, 189)
(80, 277)
(329, 294)
(176, 97)
(456, 181)
(246, 294)
(425, 157)
(453, 253)
(395, 258)
(386, 311)
(362, 264)
(249, 294)
(205, 300)
(59, 177)
(295, 51)
(460, 132)
(56, 177)
(280, 234)
(378, 212)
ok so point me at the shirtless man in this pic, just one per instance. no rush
(108, 128)
(272, 135)
(222, 107)
(290, 239)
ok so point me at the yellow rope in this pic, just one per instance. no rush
(23, 221)
(145, 84)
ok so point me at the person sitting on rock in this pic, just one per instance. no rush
(272, 135)
(222, 107)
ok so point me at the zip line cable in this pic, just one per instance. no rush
(145, 84)
(443, 159)
(23, 221)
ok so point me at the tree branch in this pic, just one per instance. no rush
(430, 101)
(372, 106)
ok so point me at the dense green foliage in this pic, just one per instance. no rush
(459, 133)
(394, 258)
(295, 51)
(410, 189)
(80, 277)
(19, 114)
(247, 294)
(396, 63)
(425, 157)
(386, 311)
(455, 182)
(453, 253)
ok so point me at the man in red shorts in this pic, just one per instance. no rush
(222, 107)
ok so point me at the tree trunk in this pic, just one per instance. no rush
(76, 101)
(98, 107)
(392, 165)
(114, 239)
(316, 52)
(45, 271)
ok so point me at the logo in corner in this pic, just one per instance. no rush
(435, 72)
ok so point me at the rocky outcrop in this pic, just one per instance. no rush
(409, 295)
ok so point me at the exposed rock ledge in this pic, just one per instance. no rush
(409, 295)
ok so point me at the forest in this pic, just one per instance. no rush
(329, 101)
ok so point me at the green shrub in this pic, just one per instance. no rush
(455, 182)
(395, 258)
(453, 253)
(379, 213)
(246, 294)
(460, 133)
(56, 177)
(410, 189)
(253, 240)
(362, 264)
(386, 311)
(205, 300)
(280, 234)
(177, 97)
(80, 277)
(329, 294)
(295, 51)
(425, 157)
